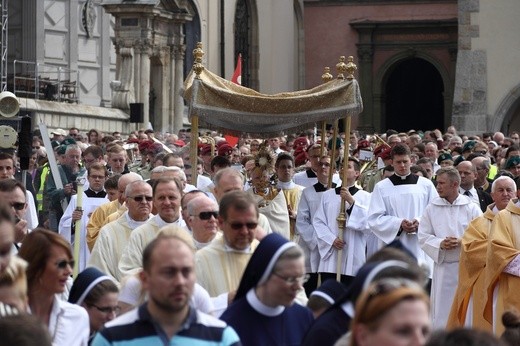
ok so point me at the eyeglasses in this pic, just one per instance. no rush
(107, 309)
(95, 177)
(206, 215)
(291, 280)
(64, 263)
(324, 164)
(139, 199)
(239, 225)
(18, 205)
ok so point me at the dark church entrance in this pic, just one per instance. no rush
(414, 97)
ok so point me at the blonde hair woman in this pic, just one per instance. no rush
(391, 312)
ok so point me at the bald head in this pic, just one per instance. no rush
(123, 183)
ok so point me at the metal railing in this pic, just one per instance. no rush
(45, 82)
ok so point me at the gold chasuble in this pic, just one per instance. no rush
(503, 247)
(471, 274)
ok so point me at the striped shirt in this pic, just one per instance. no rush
(137, 327)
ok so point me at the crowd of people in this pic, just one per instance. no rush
(305, 239)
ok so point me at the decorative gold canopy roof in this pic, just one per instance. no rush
(231, 108)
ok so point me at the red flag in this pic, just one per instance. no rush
(237, 79)
(237, 75)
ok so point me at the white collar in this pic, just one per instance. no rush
(134, 224)
(160, 222)
(286, 185)
(403, 177)
(260, 307)
(230, 249)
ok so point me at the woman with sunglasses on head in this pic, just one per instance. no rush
(50, 265)
(98, 294)
(391, 312)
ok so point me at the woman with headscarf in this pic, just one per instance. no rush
(263, 311)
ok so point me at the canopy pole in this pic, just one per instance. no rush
(350, 68)
(325, 77)
(333, 154)
(198, 53)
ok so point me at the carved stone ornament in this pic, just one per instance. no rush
(88, 17)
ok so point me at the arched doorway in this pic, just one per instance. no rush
(413, 97)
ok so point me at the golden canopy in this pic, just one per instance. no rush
(231, 108)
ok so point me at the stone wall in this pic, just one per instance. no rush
(471, 94)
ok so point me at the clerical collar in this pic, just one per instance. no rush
(319, 187)
(286, 185)
(134, 224)
(95, 194)
(495, 209)
(403, 180)
(230, 249)
(260, 307)
(311, 173)
(517, 203)
(352, 189)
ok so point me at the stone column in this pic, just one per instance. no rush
(137, 73)
(171, 112)
(162, 112)
(144, 86)
(179, 103)
(367, 122)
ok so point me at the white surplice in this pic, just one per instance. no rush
(89, 204)
(354, 234)
(390, 204)
(443, 219)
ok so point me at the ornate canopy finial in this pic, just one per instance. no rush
(198, 53)
(341, 67)
(351, 68)
(326, 76)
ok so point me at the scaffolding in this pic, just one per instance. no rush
(3, 52)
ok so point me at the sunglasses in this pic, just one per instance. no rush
(107, 309)
(18, 205)
(64, 263)
(206, 215)
(139, 199)
(239, 225)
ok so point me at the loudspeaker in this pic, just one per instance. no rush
(25, 142)
(136, 112)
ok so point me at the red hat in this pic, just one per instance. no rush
(363, 143)
(179, 143)
(225, 150)
(300, 142)
(385, 155)
(205, 149)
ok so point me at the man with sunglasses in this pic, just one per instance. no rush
(29, 214)
(220, 265)
(203, 221)
(114, 236)
(167, 194)
(13, 193)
